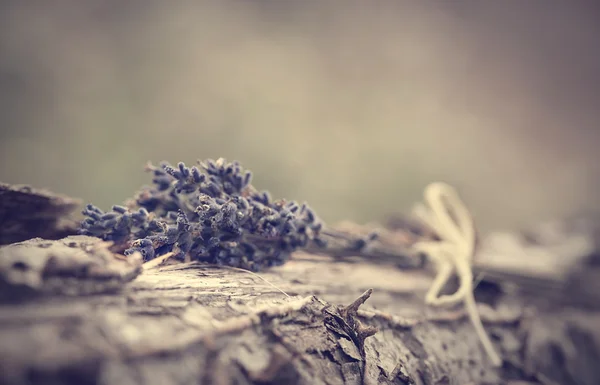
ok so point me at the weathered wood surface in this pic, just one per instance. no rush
(71, 312)
(26, 213)
(74, 266)
(185, 324)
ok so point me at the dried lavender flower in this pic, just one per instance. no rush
(209, 213)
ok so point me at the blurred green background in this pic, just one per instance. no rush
(353, 106)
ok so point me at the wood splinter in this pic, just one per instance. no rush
(344, 321)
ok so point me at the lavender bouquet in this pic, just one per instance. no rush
(208, 213)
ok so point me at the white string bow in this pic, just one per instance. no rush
(447, 215)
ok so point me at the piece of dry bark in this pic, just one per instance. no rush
(76, 265)
(27, 213)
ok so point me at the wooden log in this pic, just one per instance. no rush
(72, 312)
(191, 323)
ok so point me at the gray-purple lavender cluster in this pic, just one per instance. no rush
(210, 213)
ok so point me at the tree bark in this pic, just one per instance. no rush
(191, 323)
(71, 312)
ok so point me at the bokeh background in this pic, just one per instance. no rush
(353, 106)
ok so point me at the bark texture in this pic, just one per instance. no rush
(71, 312)
(27, 213)
(189, 323)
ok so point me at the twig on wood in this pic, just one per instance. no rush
(376, 247)
(258, 276)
